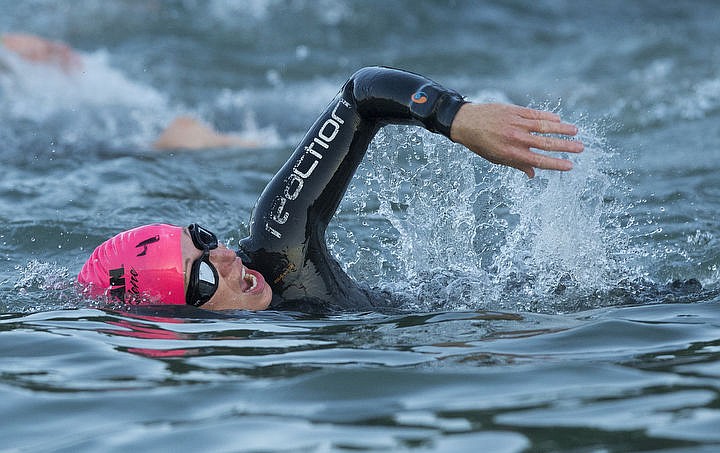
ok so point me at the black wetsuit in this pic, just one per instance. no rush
(287, 231)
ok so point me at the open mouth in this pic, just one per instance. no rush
(250, 279)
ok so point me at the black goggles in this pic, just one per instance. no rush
(203, 281)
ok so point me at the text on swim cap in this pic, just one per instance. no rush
(144, 244)
(117, 283)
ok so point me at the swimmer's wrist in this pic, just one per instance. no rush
(436, 108)
(448, 106)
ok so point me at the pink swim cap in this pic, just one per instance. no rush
(142, 266)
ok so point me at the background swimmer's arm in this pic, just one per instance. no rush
(504, 134)
(41, 50)
(188, 133)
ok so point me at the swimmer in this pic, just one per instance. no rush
(183, 132)
(284, 263)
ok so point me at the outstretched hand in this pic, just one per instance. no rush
(504, 134)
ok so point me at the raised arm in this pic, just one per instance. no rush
(309, 187)
(313, 181)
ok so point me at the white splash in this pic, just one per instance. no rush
(447, 230)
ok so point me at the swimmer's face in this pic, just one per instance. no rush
(239, 288)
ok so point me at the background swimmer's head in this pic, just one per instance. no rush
(139, 266)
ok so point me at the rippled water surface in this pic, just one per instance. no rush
(571, 312)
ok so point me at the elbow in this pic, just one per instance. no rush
(359, 86)
(372, 90)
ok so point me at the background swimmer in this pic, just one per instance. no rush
(183, 132)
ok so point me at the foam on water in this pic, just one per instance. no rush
(571, 237)
(329, 12)
(39, 286)
(100, 104)
(94, 102)
(38, 90)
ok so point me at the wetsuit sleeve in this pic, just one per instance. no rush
(292, 214)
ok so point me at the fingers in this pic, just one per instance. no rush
(555, 144)
(544, 163)
(531, 138)
(549, 124)
(544, 122)
(526, 161)
(551, 163)
(553, 127)
(533, 114)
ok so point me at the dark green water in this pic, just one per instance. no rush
(555, 314)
